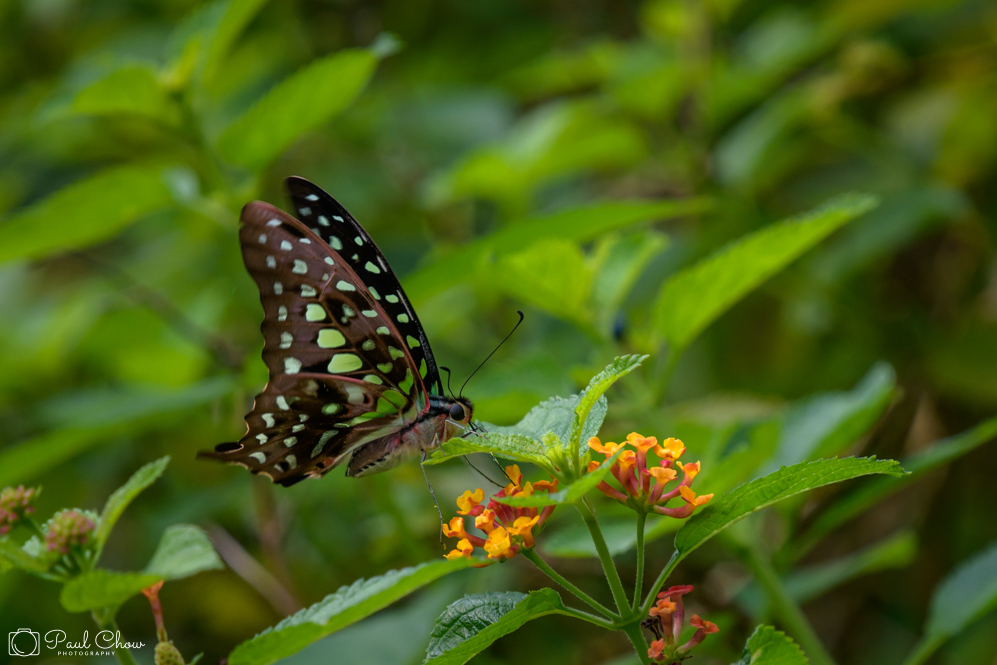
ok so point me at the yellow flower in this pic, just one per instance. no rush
(627, 459)
(663, 607)
(662, 475)
(670, 448)
(523, 524)
(514, 474)
(464, 550)
(691, 498)
(642, 443)
(455, 529)
(468, 500)
(498, 543)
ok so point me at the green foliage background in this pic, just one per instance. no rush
(567, 159)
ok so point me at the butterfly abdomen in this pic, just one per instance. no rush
(386, 453)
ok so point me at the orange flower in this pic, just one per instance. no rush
(469, 500)
(671, 448)
(508, 528)
(645, 486)
(668, 627)
(655, 652)
(663, 607)
(608, 449)
(690, 497)
(708, 626)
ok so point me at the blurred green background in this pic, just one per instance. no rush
(560, 158)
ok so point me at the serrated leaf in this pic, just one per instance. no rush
(965, 595)
(96, 589)
(299, 104)
(516, 447)
(768, 646)
(83, 213)
(570, 494)
(595, 390)
(337, 610)
(557, 415)
(123, 496)
(470, 625)
(183, 550)
(737, 504)
(696, 296)
(577, 224)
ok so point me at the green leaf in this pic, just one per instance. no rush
(597, 387)
(514, 447)
(828, 423)
(184, 550)
(124, 495)
(337, 610)
(575, 224)
(551, 274)
(131, 90)
(737, 504)
(12, 555)
(965, 595)
(768, 646)
(96, 589)
(22, 462)
(470, 625)
(618, 263)
(83, 213)
(556, 415)
(232, 20)
(570, 494)
(696, 296)
(301, 103)
(872, 493)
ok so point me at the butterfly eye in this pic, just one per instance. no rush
(457, 411)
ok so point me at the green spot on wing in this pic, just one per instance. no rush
(395, 398)
(344, 362)
(330, 338)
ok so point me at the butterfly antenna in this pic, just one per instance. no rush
(433, 494)
(449, 389)
(504, 339)
(480, 472)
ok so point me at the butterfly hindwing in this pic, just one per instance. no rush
(330, 221)
(341, 371)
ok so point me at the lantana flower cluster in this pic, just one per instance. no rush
(666, 620)
(507, 529)
(15, 503)
(69, 529)
(645, 484)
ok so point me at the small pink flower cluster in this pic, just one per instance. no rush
(670, 616)
(15, 503)
(68, 529)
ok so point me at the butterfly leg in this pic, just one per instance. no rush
(437, 503)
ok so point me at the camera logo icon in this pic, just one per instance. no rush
(24, 642)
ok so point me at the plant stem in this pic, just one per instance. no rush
(784, 607)
(639, 583)
(568, 586)
(612, 576)
(637, 639)
(923, 650)
(590, 618)
(652, 593)
(107, 622)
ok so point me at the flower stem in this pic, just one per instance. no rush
(659, 582)
(107, 622)
(612, 576)
(590, 618)
(785, 607)
(568, 586)
(637, 639)
(639, 583)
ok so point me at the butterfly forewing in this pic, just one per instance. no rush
(341, 371)
(331, 222)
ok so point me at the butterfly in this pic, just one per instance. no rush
(352, 375)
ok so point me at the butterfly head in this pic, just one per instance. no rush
(461, 410)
